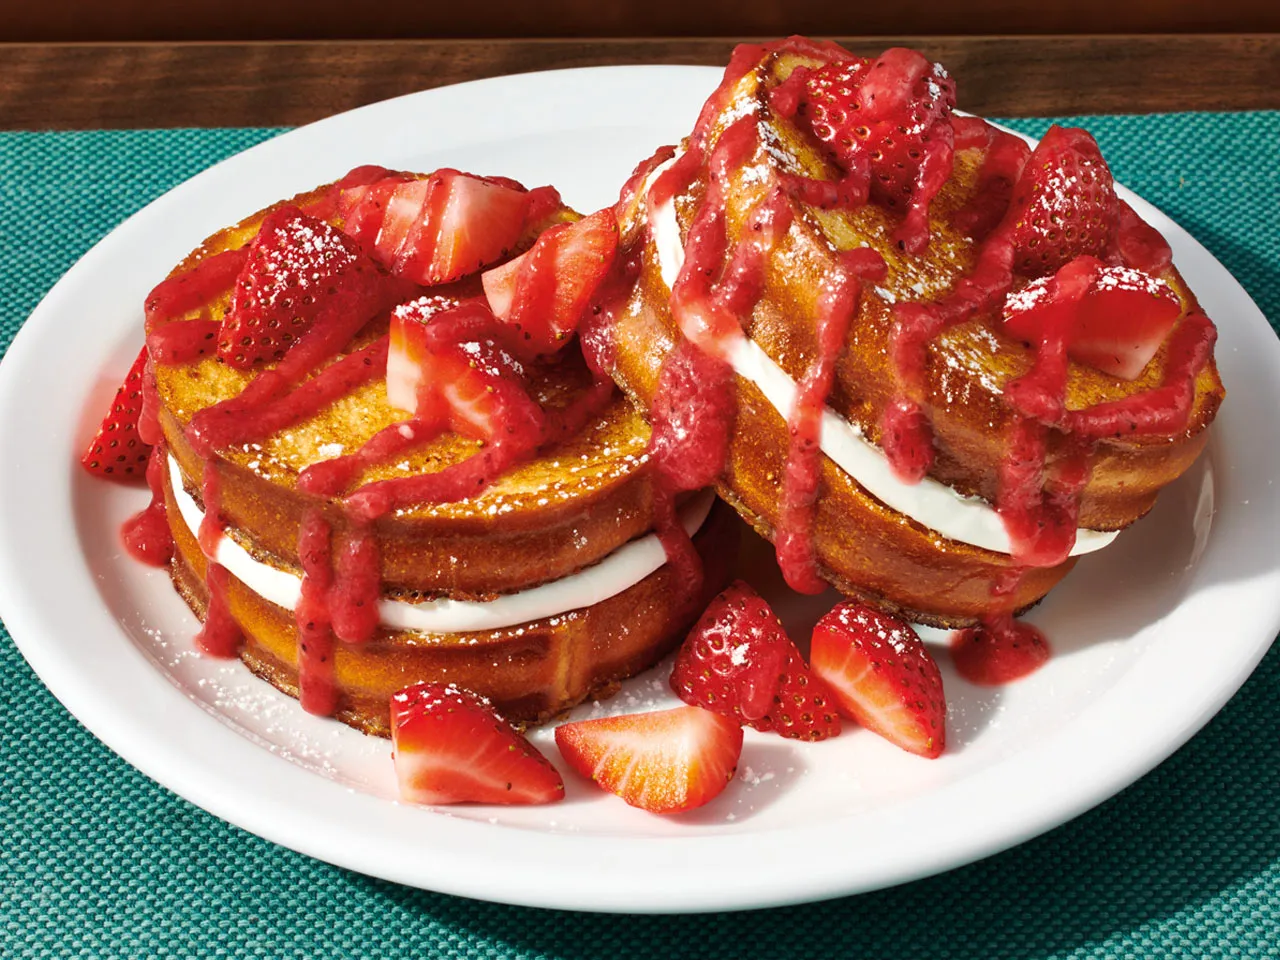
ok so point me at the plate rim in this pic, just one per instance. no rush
(457, 839)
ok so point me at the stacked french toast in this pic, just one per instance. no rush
(441, 458)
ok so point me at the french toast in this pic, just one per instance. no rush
(753, 228)
(537, 584)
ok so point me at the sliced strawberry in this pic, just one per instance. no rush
(544, 293)
(364, 208)
(117, 451)
(738, 661)
(882, 676)
(467, 224)
(446, 364)
(893, 114)
(342, 196)
(500, 285)
(1063, 205)
(450, 746)
(406, 208)
(300, 272)
(664, 762)
(1117, 326)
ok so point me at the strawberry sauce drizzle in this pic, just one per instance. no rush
(220, 635)
(328, 478)
(837, 305)
(357, 583)
(146, 534)
(149, 430)
(316, 688)
(1002, 164)
(260, 411)
(693, 409)
(208, 279)
(183, 341)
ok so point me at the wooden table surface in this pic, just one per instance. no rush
(82, 86)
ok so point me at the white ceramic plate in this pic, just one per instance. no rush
(1152, 635)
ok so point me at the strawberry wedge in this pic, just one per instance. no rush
(300, 273)
(738, 661)
(543, 293)
(445, 365)
(439, 229)
(117, 451)
(664, 762)
(882, 676)
(1116, 326)
(450, 746)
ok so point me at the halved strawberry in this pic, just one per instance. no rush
(299, 272)
(1117, 326)
(895, 115)
(446, 363)
(664, 762)
(1063, 205)
(882, 676)
(117, 451)
(450, 746)
(738, 661)
(544, 292)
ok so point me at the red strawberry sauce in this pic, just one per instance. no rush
(1000, 651)
(316, 689)
(146, 534)
(220, 635)
(837, 305)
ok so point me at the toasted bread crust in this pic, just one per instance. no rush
(531, 671)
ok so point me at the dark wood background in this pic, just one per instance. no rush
(169, 20)
(143, 63)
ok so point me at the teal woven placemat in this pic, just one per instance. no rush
(97, 861)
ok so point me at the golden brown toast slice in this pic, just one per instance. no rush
(576, 502)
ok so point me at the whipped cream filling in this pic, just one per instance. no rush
(929, 503)
(620, 570)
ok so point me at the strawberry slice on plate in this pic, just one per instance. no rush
(1063, 204)
(543, 293)
(738, 661)
(300, 272)
(664, 762)
(117, 451)
(450, 746)
(882, 676)
(1116, 326)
